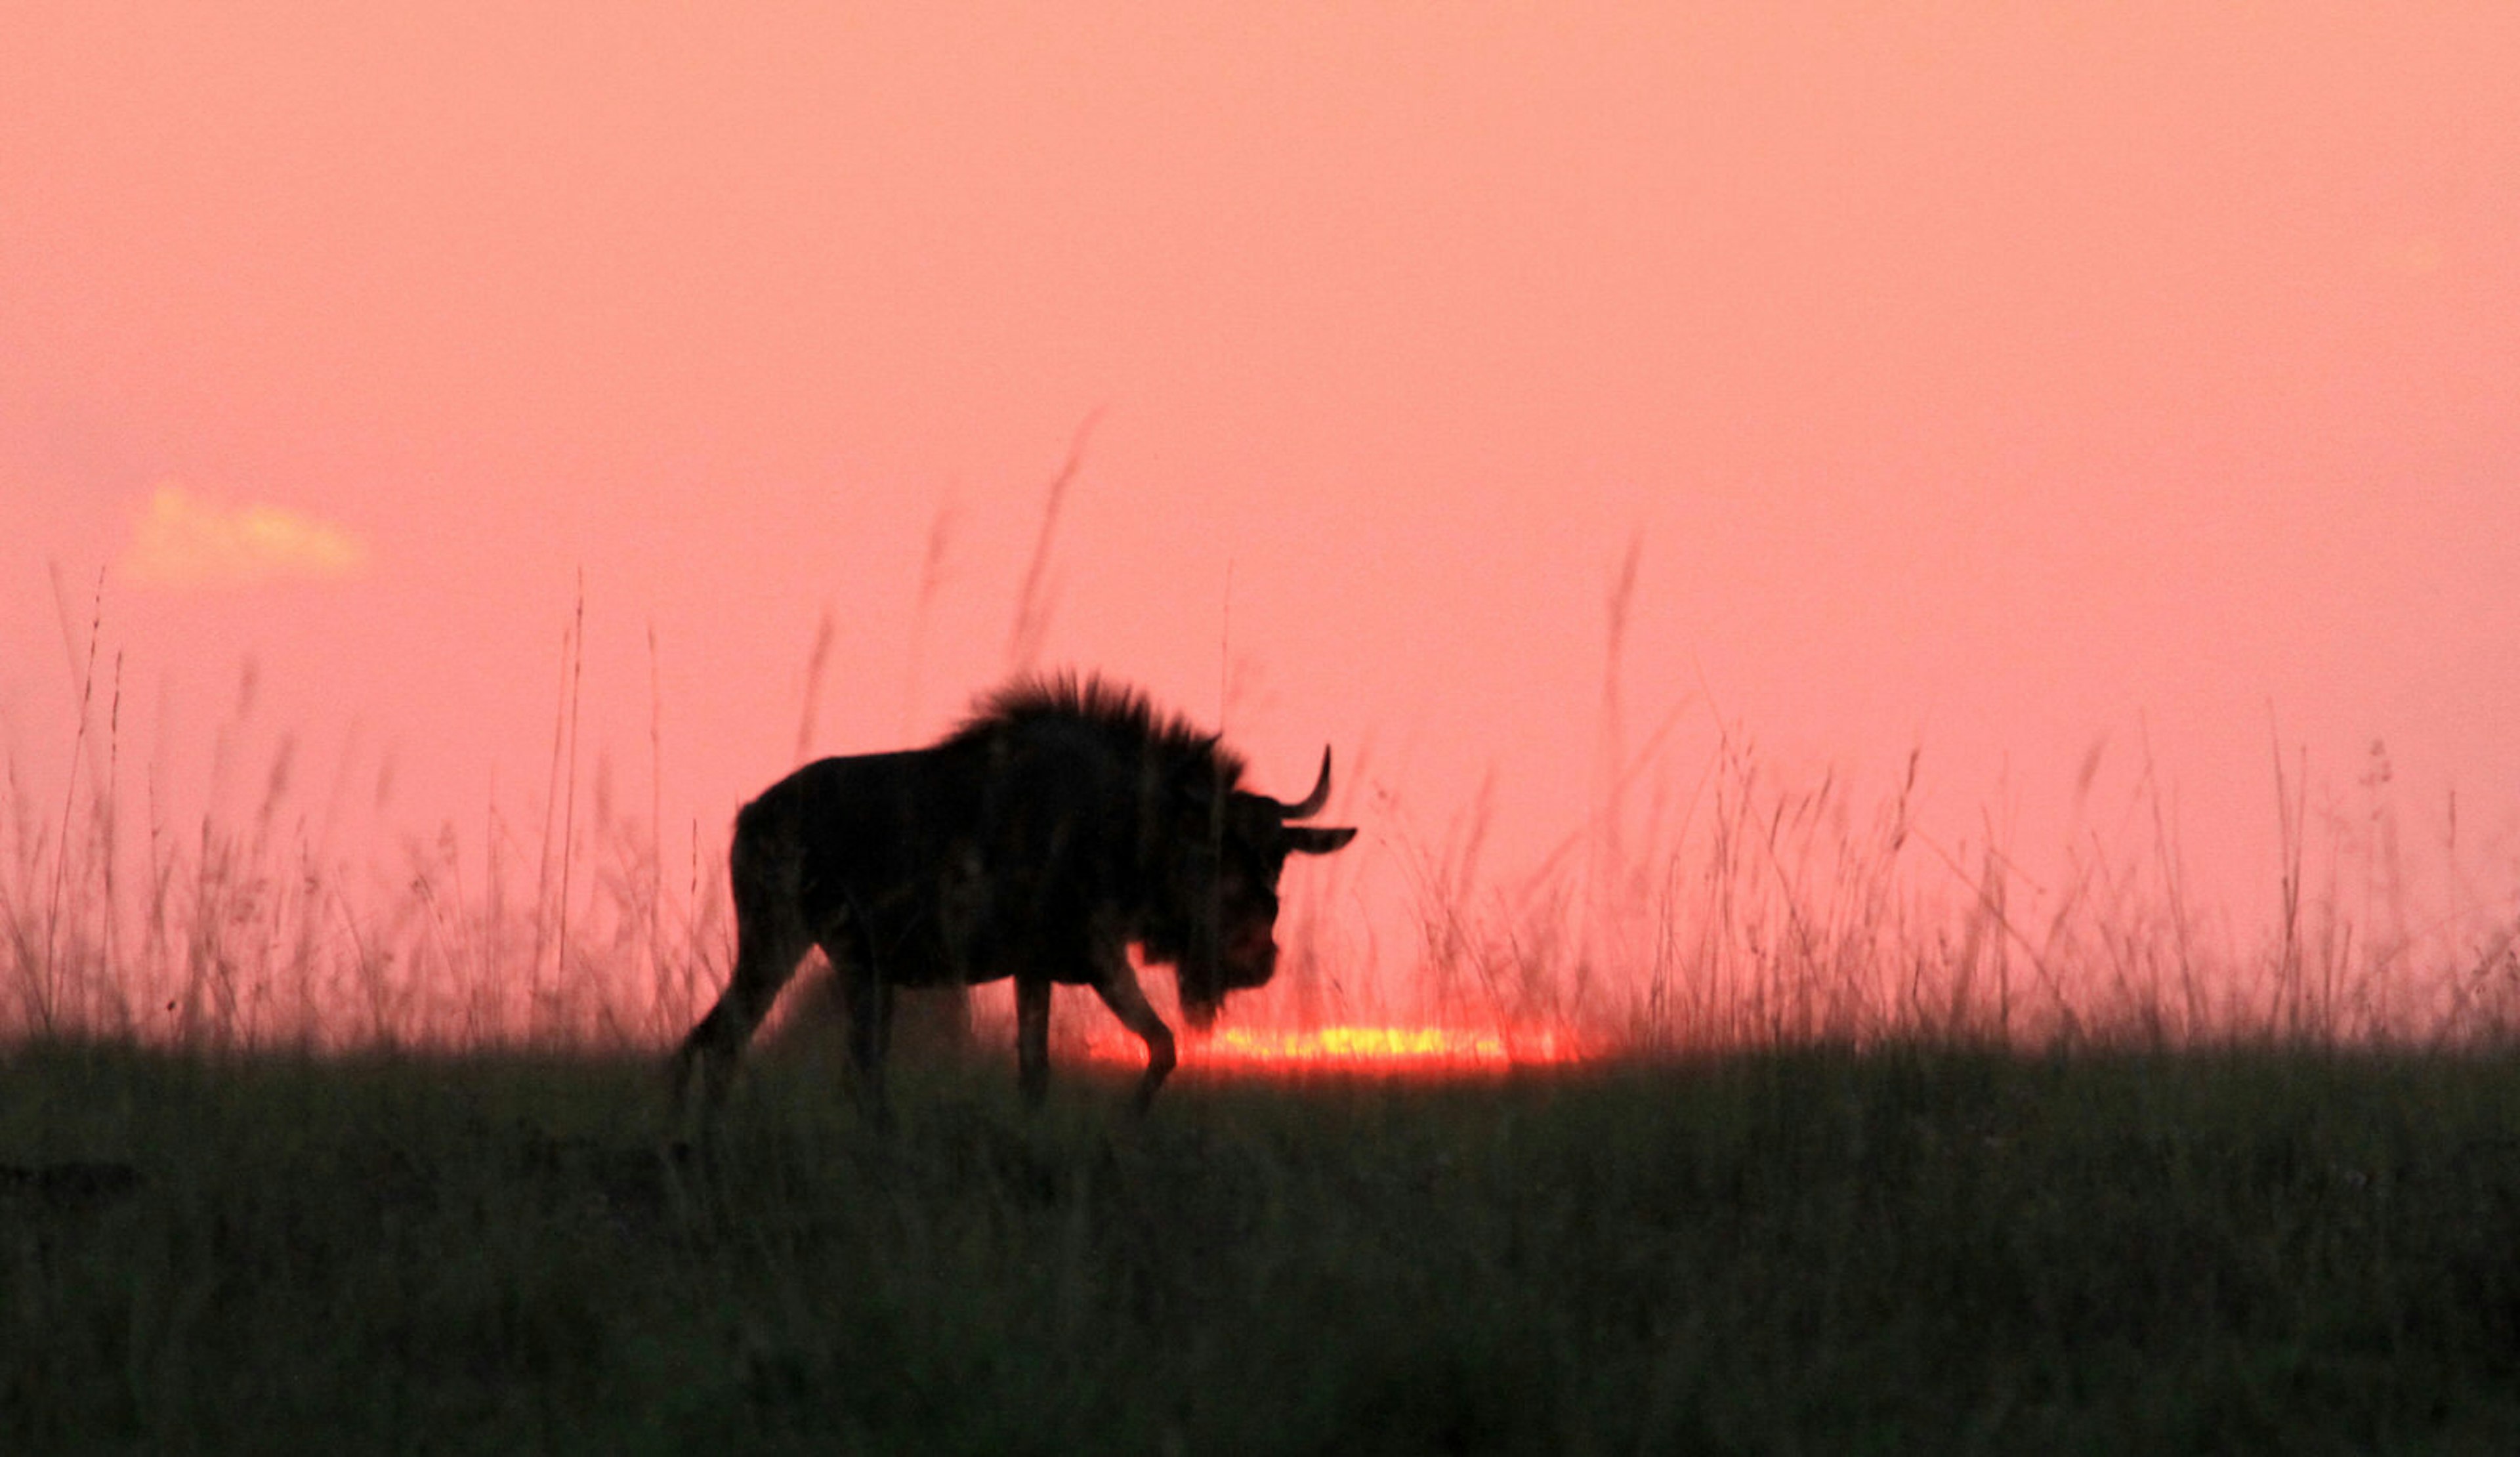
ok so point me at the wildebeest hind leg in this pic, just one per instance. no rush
(767, 949)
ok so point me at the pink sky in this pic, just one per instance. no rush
(1990, 380)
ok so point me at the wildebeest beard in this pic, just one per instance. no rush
(1062, 822)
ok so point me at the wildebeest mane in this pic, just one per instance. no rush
(1132, 721)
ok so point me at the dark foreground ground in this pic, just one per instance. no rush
(1896, 1251)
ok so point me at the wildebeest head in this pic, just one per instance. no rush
(1218, 917)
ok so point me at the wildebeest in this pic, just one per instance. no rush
(1061, 823)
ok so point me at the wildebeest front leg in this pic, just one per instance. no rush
(1032, 1038)
(1118, 986)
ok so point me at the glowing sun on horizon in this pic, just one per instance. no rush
(1401, 1049)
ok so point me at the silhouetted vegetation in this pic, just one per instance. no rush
(1907, 1248)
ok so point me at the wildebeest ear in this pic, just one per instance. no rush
(1314, 840)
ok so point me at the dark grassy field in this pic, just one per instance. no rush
(1899, 1250)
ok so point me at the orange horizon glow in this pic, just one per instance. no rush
(1433, 1050)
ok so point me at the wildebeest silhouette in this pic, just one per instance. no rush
(1063, 821)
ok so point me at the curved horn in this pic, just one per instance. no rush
(1310, 804)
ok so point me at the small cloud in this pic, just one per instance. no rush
(185, 540)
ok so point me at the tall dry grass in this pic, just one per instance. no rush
(1747, 911)
(1706, 903)
(1757, 912)
(259, 930)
